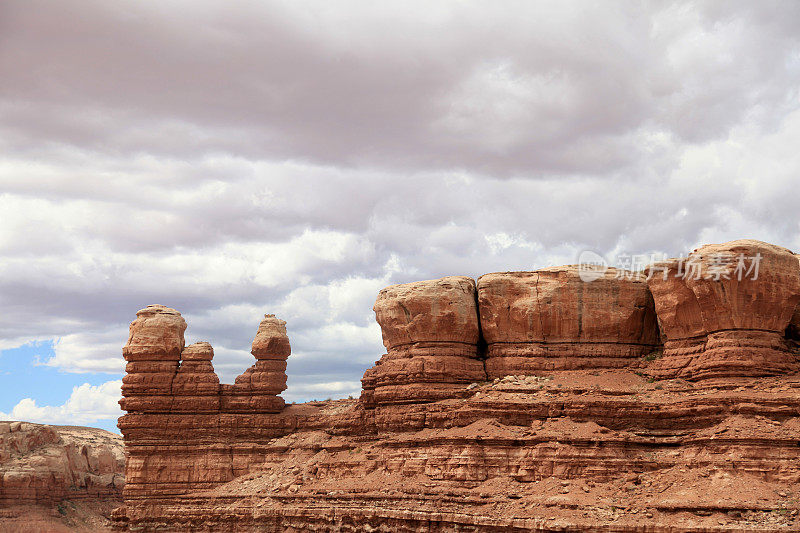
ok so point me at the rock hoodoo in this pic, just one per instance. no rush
(256, 391)
(185, 430)
(530, 401)
(153, 353)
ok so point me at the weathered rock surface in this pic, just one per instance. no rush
(183, 428)
(569, 451)
(720, 318)
(271, 342)
(431, 333)
(522, 404)
(45, 471)
(256, 391)
(436, 317)
(551, 319)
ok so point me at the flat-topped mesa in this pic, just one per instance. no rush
(431, 333)
(257, 389)
(153, 353)
(551, 319)
(725, 311)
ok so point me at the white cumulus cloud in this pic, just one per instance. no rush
(87, 405)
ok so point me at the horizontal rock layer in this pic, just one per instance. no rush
(552, 319)
(532, 401)
(176, 402)
(726, 310)
(577, 450)
(43, 465)
(431, 333)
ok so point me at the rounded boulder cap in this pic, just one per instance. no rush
(271, 340)
(199, 351)
(156, 334)
(156, 309)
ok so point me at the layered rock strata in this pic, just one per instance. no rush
(256, 391)
(519, 404)
(571, 451)
(58, 478)
(552, 319)
(43, 465)
(430, 330)
(153, 353)
(184, 430)
(726, 310)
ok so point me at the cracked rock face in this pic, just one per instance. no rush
(431, 332)
(153, 353)
(552, 319)
(724, 316)
(516, 404)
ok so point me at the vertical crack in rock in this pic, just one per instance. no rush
(578, 324)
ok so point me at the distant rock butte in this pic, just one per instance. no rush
(47, 468)
(530, 401)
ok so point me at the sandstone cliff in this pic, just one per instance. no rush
(528, 401)
(58, 478)
(552, 320)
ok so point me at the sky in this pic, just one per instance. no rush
(231, 159)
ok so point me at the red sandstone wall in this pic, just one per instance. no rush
(184, 430)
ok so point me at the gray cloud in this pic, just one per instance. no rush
(521, 88)
(231, 160)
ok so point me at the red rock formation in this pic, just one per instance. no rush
(551, 319)
(574, 451)
(720, 321)
(256, 391)
(195, 388)
(585, 442)
(431, 332)
(47, 469)
(184, 430)
(153, 353)
(45, 464)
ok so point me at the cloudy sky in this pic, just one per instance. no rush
(231, 159)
